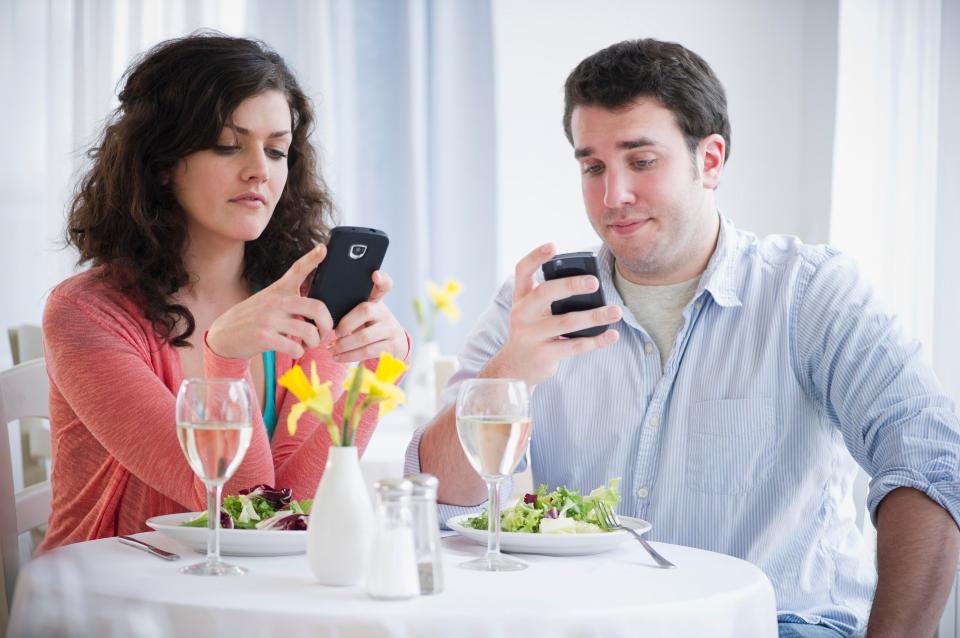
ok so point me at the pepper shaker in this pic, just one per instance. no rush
(426, 532)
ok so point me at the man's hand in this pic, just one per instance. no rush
(272, 319)
(534, 347)
(532, 352)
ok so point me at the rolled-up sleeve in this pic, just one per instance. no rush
(873, 384)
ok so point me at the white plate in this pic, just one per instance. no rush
(552, 544)
(233, 542)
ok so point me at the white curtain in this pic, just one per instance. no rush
(404, 98)
(885, 161)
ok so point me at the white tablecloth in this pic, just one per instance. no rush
(104, 588)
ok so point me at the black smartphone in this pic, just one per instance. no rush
(343, 278)
(570, 265)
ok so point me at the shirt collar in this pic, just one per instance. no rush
(719, 277)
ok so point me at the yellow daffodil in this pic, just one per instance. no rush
(313, 396)
(443, 298)
(380, 385)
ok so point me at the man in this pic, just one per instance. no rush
(736, 376)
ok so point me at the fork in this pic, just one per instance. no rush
(610, 521)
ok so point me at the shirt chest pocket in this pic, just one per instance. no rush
(729, 445)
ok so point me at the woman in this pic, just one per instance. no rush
(199, 214)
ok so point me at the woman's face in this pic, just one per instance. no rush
(229, 191)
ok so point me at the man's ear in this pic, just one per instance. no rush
(711, 152)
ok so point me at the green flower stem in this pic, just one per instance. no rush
(349, 406)
(426, 323)
(358, 414)
(331, 428)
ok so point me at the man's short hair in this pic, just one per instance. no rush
(615, 77)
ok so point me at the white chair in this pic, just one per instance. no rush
(861, 487)
(33, 446)
(26, 342)
(24, 391)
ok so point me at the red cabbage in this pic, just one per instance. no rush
(292, 522)
(530, 499)
(226, 521)
(277, 497)
(552, 513)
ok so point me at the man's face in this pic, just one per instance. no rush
(644, 193)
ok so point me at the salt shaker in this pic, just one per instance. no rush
(426, 532)
(393, 568)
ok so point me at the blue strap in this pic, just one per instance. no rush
(270, 387)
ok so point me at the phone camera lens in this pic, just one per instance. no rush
(357, 251)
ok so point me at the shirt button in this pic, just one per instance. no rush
(642, 492)
(654, 421)
(648, 348)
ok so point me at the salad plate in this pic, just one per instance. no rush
(551, 544)
(233, 542)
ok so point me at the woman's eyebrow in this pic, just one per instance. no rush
(242, 131)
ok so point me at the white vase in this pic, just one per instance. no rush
(341, 522)
(421, 387)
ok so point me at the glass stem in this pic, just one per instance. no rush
(493, 518)
(213, 523)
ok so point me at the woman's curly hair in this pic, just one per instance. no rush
(176, 99)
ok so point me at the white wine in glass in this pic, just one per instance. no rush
(214, 450)
(214, 426)
(493, 423)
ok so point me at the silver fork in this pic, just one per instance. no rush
(610, 521)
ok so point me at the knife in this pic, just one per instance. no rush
(147, 547)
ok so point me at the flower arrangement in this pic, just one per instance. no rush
(364, 389)
(442, 299)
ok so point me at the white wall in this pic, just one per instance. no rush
(946, 338)
(64, 82)
(776, 59)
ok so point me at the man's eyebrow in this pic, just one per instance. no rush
(627, 145)
(242, 131)
(637, 143)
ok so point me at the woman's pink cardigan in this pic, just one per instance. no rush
(113, 387)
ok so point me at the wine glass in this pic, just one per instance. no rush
(214, 426)
(493, 423)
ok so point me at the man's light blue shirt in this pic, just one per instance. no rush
(784, 375)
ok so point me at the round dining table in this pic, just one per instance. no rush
(104, 588)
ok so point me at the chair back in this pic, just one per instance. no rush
(26, 342)
(32, 455)
(24, 392)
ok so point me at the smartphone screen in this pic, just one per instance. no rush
(570, 265)
(343, 279)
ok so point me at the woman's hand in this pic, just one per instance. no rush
(273, 319)
(370, 328)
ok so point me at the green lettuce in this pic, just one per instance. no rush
(565, 510)
(246, 511)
